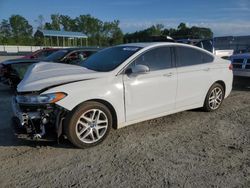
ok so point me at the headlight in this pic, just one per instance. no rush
(40, 99)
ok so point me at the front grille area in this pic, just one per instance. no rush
(237, 66)
(241, 63)
(248, 64)
(237, 63)
(34, 108)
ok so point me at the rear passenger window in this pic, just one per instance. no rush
(207, 58)
(207, 45)
(189, 56)
(155, 59)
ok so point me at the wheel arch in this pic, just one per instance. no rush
(109, 106)
(205, 105)
(222, 83)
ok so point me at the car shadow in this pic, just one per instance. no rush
(241, 84)
(8, 138)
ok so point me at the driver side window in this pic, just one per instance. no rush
(155, 59)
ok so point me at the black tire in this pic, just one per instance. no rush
(207, 107)
(74, 116)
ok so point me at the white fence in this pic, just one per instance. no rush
(20, 49)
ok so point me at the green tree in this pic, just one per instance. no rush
(40, 22)
(182, 32)
(90, 26)
(182, 26)
(5, 31)
(112, 33)
(67, 23)
(201, 33)
(48, 26)
(194, 32)
(55, 22)
(146, 34)
(21, 29)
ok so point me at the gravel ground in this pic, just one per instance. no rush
(188, 149)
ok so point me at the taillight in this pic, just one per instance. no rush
(230, 66)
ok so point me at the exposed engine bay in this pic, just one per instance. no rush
(43, 121)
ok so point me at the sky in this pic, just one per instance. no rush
(224, 17)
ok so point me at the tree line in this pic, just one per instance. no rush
(181, 32)
(18, 31)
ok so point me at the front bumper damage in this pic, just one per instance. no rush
(38, 122)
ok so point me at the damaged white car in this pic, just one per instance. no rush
(119, 86)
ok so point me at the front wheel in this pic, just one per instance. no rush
(88, 124)
(214, 98)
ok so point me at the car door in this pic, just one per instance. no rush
(193, 70)
(152, 93)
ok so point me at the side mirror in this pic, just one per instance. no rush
(137, 69)
(140, 69)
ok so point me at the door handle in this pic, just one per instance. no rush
(206, 69)
(168, 74)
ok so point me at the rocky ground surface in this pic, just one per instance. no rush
(188, 149)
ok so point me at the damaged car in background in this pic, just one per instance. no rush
(117, 87)
(13, 71)
(241, 65)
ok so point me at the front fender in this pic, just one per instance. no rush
(107, 89)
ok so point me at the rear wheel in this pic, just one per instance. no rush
(89, 124)
(214, 98)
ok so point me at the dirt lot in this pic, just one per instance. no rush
(188, 149)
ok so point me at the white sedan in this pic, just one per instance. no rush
(119, 86)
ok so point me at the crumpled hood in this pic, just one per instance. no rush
(42, 75)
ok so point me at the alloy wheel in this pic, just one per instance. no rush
(91, 126)
(215, 98)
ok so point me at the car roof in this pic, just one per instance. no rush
(81, 48)
(148, 44)
(155, 44)
(143, 44)
(50, 49)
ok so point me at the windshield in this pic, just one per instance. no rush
(56, 56)
(110, 58)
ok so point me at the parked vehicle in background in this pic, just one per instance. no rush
(40, 54)
(188, 41)
(209, 45)
(159, 38)
(119, 86)
(241, 65)
(206, 45)
(71, 55)
(13, 71)
(224, 54)
(242, 51)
